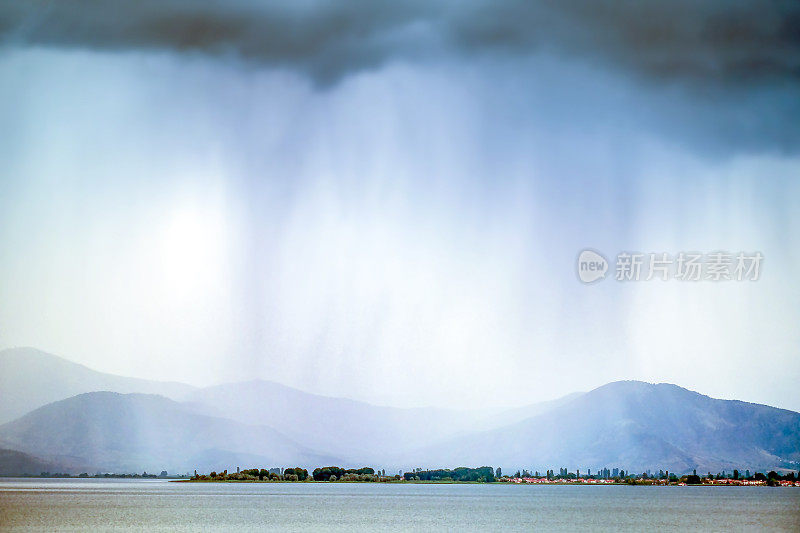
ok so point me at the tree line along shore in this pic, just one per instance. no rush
(487, 474)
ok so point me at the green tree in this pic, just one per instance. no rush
(301, 473)
(324, 473)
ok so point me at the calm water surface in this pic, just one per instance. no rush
(131, 505)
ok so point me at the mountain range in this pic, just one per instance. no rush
(31, 378)
(639, 426)
(350, 429)
(133, 432)
(61, 416)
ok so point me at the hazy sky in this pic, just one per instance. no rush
(386, 201)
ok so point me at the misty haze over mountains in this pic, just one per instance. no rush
(134, 432)
(61, 415)
(30, 378)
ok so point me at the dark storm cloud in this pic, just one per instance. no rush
(722, 40)
(721, 75)
(325, 39)
(685, 40)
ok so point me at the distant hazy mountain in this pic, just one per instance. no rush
(632, 425)
(355, 430)
(134, 432)
(14, 463)
(636, 426)
(30, 378)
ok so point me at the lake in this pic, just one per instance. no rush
(127, 505)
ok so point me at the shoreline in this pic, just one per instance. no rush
(423, 482)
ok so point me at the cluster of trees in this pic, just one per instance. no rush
(256, 474)
(163, 474)
(336, 473)
(295, 474)
(621, 476)
(563, 473)
(289, 474)
(327, 473)
(480, 474)
(771, 478)
(484, 474)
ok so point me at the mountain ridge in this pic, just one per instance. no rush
(31, 378)
(630, 423)
(639, 425)
(132, 432)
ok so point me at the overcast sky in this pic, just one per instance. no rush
(385, 201)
